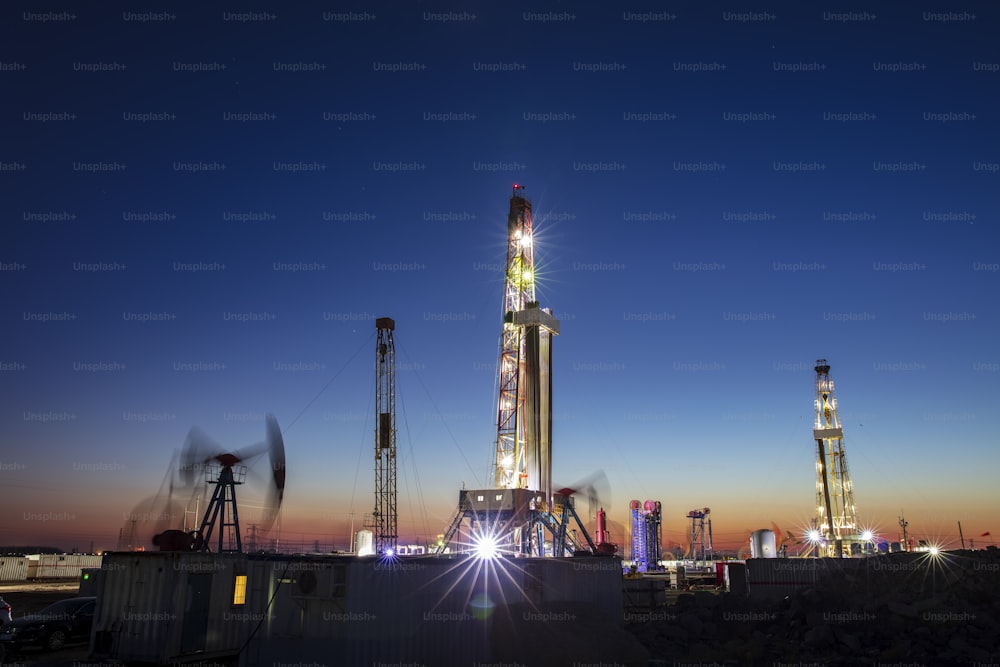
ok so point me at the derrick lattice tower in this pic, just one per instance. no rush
(385, 519)
(524, 417)
(521, 515)
(699, 536)
(836, 516)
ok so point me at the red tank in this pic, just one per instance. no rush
(602, 527)
(603, 543)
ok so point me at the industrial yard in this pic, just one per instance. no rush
(898, 607)
(516, 576)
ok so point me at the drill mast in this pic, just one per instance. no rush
(384, 518)
(510, 471)
(835, 512)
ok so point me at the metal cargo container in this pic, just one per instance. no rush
(778, 577)
(166, 607)
(342, 610)
(735, 575)
(90, 578)
(32, 561)
(61, 566)
(13, 568)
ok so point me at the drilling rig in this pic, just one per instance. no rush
(384, 518)
(524, 417)
(647, 534)
(699, 536)
(520, 511)
(837, 533)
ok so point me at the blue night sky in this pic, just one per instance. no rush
(722, 194)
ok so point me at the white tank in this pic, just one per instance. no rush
(762, 544)
(364, 545)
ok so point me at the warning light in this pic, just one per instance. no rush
(516, 186)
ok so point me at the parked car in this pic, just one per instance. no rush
(4, 612)
(53, 627)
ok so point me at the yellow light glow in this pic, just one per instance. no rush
(240, 590)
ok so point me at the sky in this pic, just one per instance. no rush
(205, 209)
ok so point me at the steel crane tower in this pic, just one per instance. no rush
(698, 534)
(835, 512)
(384, 518)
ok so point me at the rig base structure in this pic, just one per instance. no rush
(516, 522)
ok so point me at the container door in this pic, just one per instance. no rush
(195, 623)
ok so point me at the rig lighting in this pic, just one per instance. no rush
(486, 547)
(814, 536)
(868, 536)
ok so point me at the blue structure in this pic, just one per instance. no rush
(647, 529)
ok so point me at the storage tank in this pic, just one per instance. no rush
(762, 544)
(364, 545)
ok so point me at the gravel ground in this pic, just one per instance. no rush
(924, 613)
(27, 598)
(943, 612)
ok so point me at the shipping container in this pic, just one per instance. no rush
(60, 566)
(778, 577)
(167, 607)
(344, 610)
(773, 577)
(13, 568)
(736, 578)
(90, 578)
(172, 607)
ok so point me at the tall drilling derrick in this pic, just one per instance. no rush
(520, 514)
(835, 513)
(524, 415)
(384, 518)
